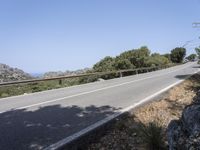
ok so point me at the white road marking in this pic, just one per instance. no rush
(111, 117)
(74, 86)
(84, 93)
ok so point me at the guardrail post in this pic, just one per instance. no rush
(60, 82)
(120, 74)
(136, 71)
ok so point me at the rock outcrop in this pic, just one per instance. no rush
(8, 73)
(184, 134)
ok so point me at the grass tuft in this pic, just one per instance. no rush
(152, 136)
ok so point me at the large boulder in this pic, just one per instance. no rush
(184, 134)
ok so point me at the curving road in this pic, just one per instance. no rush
(36, 121)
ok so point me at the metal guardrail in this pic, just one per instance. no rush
(120, 72)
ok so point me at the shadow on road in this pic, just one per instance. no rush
(182, 76)
(195, 80)
(21, 129)
(196, 67)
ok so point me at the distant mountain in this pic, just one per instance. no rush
(66, 73)
(8, 73)
(37, 75)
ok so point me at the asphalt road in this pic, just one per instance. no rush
(37, 120)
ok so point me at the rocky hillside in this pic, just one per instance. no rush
(66, 73)
(8, 73)
(185, 132)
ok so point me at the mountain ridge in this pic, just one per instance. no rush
(8, 74)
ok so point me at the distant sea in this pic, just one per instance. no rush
(37, 75)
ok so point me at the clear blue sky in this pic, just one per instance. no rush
(51, 35)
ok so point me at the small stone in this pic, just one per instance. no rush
(134, 134)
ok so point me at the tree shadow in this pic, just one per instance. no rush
(193, 86)
(34, 130)
(182, 76)
(195, 79)
(196, 67)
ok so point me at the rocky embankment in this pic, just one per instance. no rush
(8, 73)
(185, 132)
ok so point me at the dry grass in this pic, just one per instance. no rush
(128, 134)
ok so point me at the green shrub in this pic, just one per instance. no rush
(178, 54)
(4, 95)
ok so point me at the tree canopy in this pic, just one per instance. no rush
(121, 64)
(138, 58)
(197, 49)
(157, 60)
(106, 64)
(191, 57)
(178, 54)
(135, 58)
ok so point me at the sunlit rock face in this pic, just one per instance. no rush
(8, 73)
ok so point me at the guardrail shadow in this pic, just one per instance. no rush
(34, 130)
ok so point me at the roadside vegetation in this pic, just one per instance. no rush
(20, 89)
(197, 49)
(136, 58)
(191, 57)
(146, 127)
(131, 59)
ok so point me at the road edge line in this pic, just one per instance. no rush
(73, 86)
(96, 90)
(90, 128)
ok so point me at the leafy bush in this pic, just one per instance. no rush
(191, 57)
(167, 56)
(157, 60)
(178, 54)
(4, 95)
(121, 64)
(106, 64)
(135, 58)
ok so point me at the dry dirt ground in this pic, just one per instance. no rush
(135, 131)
